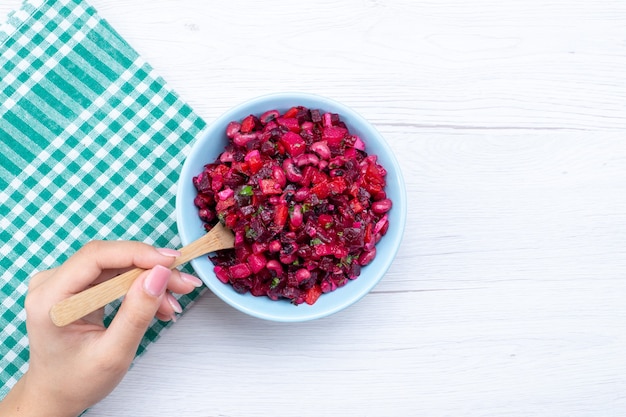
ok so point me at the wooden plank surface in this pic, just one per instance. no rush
(508, 295)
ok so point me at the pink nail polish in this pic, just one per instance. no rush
(174, 303)
(195, 281)
(169, 252)
(156, 281)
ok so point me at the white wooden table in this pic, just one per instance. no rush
(508, 296)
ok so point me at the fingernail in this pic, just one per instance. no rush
(195, 281)
(174, 303)
(156, 281)
(169, 252)
(173, 318)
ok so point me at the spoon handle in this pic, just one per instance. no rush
(85, 302)
(91, 299)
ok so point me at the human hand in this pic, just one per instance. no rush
(73, 367)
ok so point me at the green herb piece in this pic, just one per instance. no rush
(345, 261)
(247, 190)
(274, 282)
(250, 233)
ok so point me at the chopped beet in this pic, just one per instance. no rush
(305, 201)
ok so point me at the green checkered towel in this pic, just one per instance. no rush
(91, 143)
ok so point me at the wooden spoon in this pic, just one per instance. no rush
(83, 303)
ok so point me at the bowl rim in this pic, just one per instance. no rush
(304, 311)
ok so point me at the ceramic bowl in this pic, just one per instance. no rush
(212, 142)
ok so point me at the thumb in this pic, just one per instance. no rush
(137, 311)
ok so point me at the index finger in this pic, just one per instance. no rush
(89, 262)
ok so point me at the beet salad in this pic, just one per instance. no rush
(305, 201)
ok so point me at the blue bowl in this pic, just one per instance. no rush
(190, 227)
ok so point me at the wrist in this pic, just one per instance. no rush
(24, 400)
